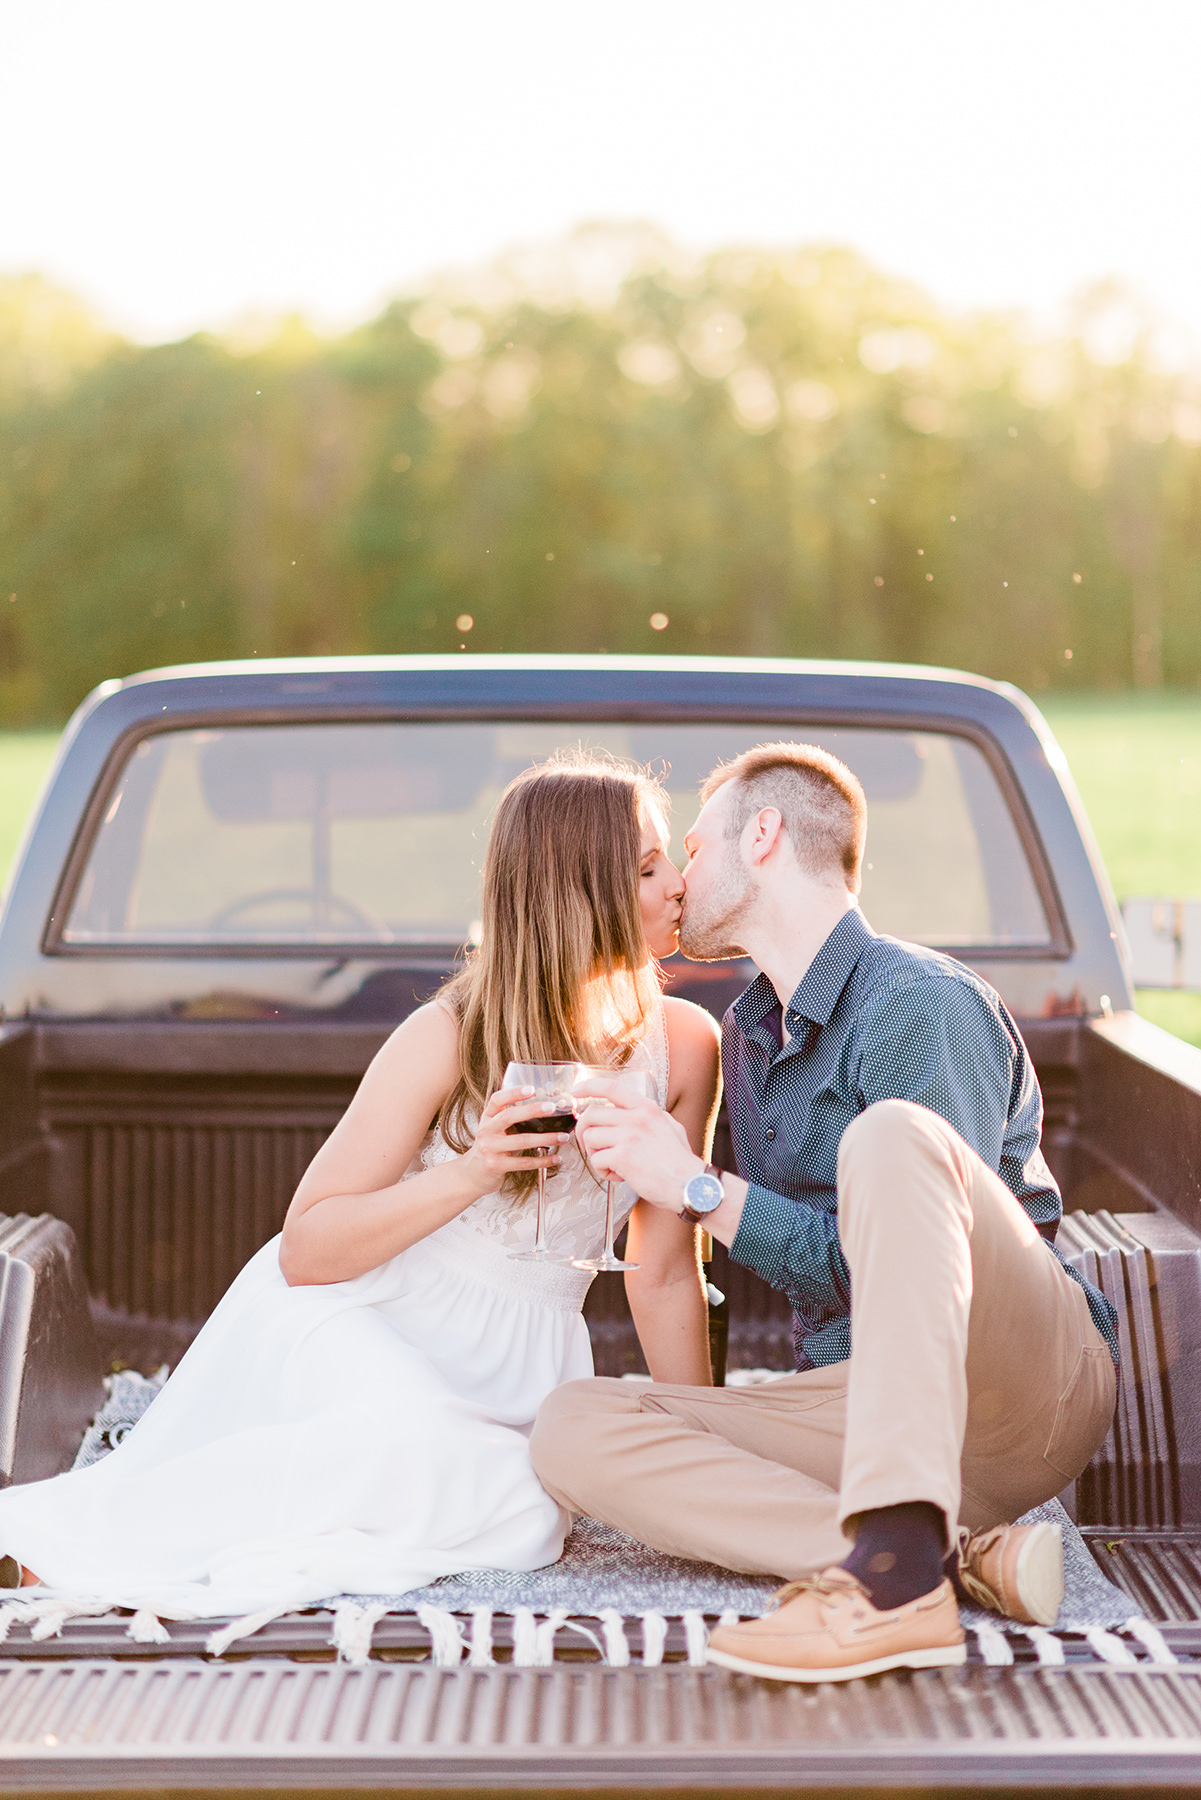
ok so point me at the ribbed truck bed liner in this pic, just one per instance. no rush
(272, 1724)
(92, 1710)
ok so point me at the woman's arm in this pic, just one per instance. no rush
(667, 1294)
(353, 1210)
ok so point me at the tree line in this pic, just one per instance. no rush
(754, 453)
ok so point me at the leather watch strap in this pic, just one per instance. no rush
(686, 1212)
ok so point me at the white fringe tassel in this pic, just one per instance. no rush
(47, 1617)
(995, 1647)
(654, 1636)
(354, 1624)
(617, 1650)
(544, 1637)
(586, 1631)
(480, 1655)
(1109, 1648)
(147, 1628)
(446, 1639)
(695, 1636)
(525, 1638)
(534, 1643)
(51, 1616)
(1151, 1639)
(1047, 1645)
(219, 1641)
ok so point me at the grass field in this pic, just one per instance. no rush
(1137, 763)
(25, 757)
(1136, 760)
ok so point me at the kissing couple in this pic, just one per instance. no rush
(399, 1386)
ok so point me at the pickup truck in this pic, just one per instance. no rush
(239, 878)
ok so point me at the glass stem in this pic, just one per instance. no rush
(608, 1219)
(539, 1217)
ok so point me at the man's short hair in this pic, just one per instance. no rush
(821, 802)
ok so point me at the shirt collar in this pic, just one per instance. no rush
(758, 1002)
(823, 983)
(830, 970)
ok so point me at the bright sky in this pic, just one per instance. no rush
(181, 163)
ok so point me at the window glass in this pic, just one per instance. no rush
(375, 833)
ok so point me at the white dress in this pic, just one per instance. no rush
(364, 1437)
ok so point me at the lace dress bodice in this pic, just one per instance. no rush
(496, 1223)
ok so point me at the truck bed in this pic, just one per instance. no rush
(89, 1708)
(92, 1708)
(162, 1101)
(286, 1720)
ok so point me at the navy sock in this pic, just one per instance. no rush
(898, 1553)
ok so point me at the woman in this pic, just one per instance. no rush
(354, 1415)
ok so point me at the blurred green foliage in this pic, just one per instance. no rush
(781, 454)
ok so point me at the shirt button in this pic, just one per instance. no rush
(770, 1135)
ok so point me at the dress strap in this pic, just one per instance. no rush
(661, 1051)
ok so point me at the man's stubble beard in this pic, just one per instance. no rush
(709, 929)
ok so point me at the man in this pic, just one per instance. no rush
(951, 1371)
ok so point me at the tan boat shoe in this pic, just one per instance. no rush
(826, 1629)
(1016, 1570)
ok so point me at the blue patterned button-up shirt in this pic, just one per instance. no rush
(873, 1019)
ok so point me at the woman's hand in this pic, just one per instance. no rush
(499, 1151)
(362, 1200)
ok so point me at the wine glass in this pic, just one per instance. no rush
(635, 1085)
(553, 1083)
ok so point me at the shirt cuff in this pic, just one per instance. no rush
(764, 1234)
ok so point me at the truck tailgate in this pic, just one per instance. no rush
(270, 1724)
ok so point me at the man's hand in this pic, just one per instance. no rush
(636, 1141)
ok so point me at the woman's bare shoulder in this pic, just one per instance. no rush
(694, 1052)
(693, 1046)
(689, 1025)
(429, 1037)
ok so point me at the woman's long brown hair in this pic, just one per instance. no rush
(562, 972)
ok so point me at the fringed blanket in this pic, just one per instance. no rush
(603, 1581)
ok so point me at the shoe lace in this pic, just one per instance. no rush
(824, 1584)
(969, 1549)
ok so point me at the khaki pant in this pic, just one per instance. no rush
(977, 1382)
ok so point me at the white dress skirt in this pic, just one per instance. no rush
(363, 1437)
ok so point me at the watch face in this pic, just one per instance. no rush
(703, 1194)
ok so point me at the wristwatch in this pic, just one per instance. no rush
(703, 1194)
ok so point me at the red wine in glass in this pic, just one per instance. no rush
(565, 1121)
(552, 1083)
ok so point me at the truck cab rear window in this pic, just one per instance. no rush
(372, 835)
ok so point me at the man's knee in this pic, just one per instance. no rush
(894, 1128)
(564, 1432)
(904, 1156)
